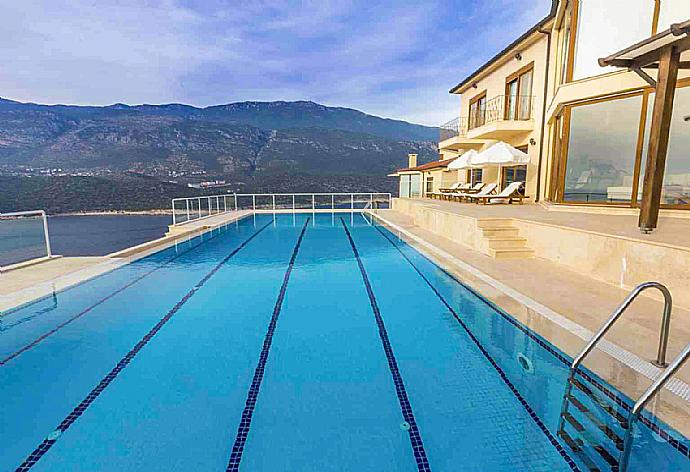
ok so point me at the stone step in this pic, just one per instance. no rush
(505, 254)
(507, 243)
(501, 232)
(493, 223)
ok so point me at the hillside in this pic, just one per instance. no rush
(246, 144)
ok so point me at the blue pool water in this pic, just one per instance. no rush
(286, 343)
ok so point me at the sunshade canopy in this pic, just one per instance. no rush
(500, 154)
(463, 161)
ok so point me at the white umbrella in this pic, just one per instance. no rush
(463, 161)
(500, 154)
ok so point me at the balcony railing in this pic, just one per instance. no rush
(454, 128)
(502, 108)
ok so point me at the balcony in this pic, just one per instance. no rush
(453, 136)
(502, 117)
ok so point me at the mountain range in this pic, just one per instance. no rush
(291, 146)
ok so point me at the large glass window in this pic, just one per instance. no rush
(410, 185)
(415, 185)
(404, 186)
(602, 151)
(564, 45)
(676, 189)
(607, 26)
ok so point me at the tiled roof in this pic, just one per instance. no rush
(429, 165)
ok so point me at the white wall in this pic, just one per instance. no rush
(607, 26)
(673, 11)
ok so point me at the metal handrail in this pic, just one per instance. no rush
(194, 214)
(660, 361)
(503, 108)
(44, 217)
(453, 128)
(653, 389)
(665, 324)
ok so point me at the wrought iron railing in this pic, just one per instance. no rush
(453, 128)
(502, 108)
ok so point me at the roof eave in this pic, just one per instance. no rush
(534, 29)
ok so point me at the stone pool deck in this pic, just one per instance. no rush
(566, 307)
(26, 282)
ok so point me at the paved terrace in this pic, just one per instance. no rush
(673, 230)
(565, 306)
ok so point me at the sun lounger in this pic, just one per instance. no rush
(510, 193)
(476, 189)
(442, 191)
(486, 190)
(455, 188)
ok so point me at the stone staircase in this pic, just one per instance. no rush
(501, 240)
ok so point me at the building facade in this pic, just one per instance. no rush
(585, 127)
(598, 118)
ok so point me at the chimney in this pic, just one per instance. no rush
(412, 160)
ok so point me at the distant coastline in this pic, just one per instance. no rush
(158, 212)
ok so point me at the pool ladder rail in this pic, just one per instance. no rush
(598, 430)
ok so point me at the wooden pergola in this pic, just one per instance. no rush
(667, 52)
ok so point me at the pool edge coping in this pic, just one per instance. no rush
(627, 358)
(113, 261)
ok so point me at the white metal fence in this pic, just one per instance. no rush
(194, 208)
(23, 236)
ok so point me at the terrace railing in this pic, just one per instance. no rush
(503, 108)
(189, 209)
(453, 128)
(23, 236)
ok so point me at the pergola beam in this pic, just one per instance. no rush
(645, 76)
(662, 51)
(658, 138)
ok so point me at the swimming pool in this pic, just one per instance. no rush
(286, 342)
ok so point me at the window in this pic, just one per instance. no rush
(478, 111)
(409, 185)
(519, 95)
(429, 188)
(602, 150)
(598, 36)
(514, 174)
(564, 44)
(676, 187)
(415, 185)
(404, 186)
(475, 176)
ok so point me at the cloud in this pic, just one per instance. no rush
(395, 59)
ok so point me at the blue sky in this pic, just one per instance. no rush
(393, 59)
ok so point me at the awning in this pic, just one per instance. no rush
(463, 161)
(500, 154)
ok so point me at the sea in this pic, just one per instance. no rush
(78, 235)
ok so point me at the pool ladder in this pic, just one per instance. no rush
(609, 446)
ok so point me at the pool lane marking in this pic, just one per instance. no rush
(86, 310)
(564, 454)
(52, 438)
(405, 406)
(252, 395)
